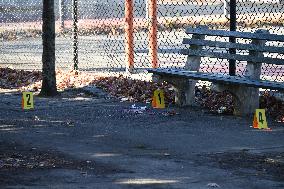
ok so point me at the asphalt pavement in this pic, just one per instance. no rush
(137, 148)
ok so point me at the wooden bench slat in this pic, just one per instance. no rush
(225, 79)
(240, 46)
(245, 35)
(249, 58)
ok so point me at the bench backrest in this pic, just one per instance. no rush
(256, 48)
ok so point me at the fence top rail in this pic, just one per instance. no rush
(237, 34)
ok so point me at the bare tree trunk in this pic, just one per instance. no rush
(48, 55)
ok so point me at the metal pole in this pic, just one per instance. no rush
(226, 8)
(233, 26)
(153, 43)
(147, 9)
(75, 34)
(129, 44)
(61, 8)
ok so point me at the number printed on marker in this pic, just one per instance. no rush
(260, 118)
(29, 99)
(160, 99)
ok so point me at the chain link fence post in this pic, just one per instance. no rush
(147, 9)
(153, 28)
(75, 34)
(226, 8)
(233, 27)
(129, 44)
(61, 8)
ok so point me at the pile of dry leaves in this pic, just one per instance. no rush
(64, 80)
(216, 102)
(11, 79)
(132, 90)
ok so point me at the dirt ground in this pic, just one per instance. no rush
(79, 141)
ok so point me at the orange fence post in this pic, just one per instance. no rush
(129, 45)
(153, 27)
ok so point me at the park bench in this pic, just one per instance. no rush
(245, 89)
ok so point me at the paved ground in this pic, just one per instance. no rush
(124, 149)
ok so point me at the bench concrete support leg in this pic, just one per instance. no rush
(185, 93)
(180, 93)
(245, 98)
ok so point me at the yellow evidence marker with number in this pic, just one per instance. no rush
(158, 99)
(27, 101)
(259, 120)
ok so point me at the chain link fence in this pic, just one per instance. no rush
(102, 38)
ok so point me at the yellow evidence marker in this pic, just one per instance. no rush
(259, 120)
(158, 99)
(27, 101)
